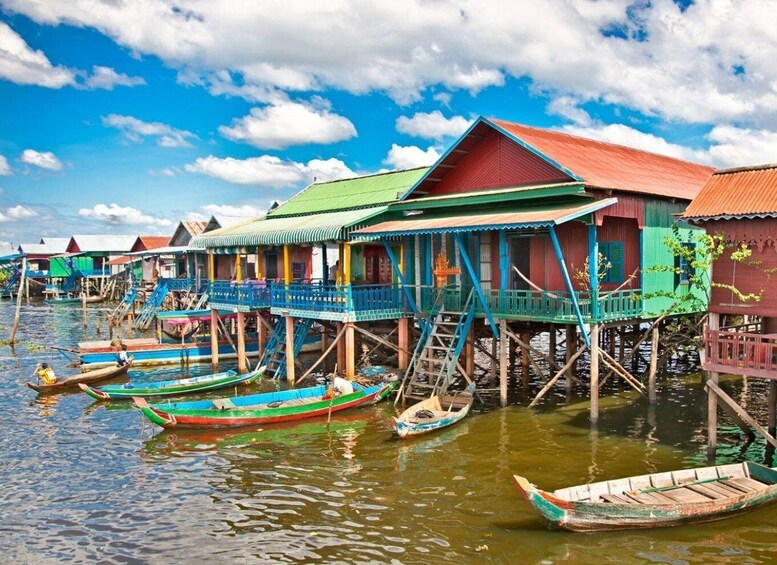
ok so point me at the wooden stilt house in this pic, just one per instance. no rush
(741, 335)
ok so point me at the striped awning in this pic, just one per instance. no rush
(290, 230)
(538, 217)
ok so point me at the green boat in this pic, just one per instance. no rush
(173, 387)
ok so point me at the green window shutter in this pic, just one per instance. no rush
(612, 251)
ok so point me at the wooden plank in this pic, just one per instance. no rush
(617, 499)
(707, 473)
(640, 483)
(708, 492)
(684, 476)
(661, 480)
(734, 470)
(741, 412)
(619, 485)
(723, 490)
(684, 495)
(746, 485)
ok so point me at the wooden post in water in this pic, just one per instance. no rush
(504, 342)
(261, 334)
(653, 365)
(18, 313)
(350, 352)
(713, 323)
(773, 408)
(469, 348)
(570, 346)
(526, 361)
(242, 362)
(290, 368)
(214, 339)
(403, 334)
(594, 338)
(340, 346)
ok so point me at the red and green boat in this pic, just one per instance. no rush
(262, 409)
(670, 498)
(202, 383)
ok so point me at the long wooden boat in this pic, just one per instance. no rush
(76, 300)
(90, 377)
(150, 352)
(432, 414)
(659, 499)
(202, 383)
(260, 409)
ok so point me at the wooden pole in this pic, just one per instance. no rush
(570, 342)
(469, 348)
(350, 351)
(340, 346)
(214, 339)
(287, 264)
(323, 356)
(403, 334)
(290, 368)
(18, 313)
(494, 369)
(653, 366)
(594, 410)
(261, 334)
(773, 407)
(242, 364)
(503, 344)
(713, 322)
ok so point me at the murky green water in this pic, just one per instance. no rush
(87, 482)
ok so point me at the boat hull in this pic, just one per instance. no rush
(169, 417)
(580, 516)
(90, 377)
(176, 387)
(406, 425)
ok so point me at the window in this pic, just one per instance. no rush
(271, 272)
(684, 269)
(298, 271)
(612, 265)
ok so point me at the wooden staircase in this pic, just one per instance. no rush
(437, 354)
(152, 306)
(126, 303)
(274, 357)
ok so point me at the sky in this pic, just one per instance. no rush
(127, 116)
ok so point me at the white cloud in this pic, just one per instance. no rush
(42, 159)
(135, 130)
(19, 212)
(165, 172)
(656, 57)
(569, 108)
(116, 215)
(409, 157)
(23, 65)
(244, 211)
(287, 123)
(269, 171)
(5, 168)
(106, 78)
(432, 125)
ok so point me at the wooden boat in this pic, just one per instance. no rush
(90, 377)
(260, 409)
(659, 499)
(178, 386)
(432, 414)
(76, 300)
(150, 351)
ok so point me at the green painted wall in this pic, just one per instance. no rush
(659, 218)
(59, 267)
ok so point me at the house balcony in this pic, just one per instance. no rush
(178, 284)
(738, 352)
(354, 303)
(32, 274)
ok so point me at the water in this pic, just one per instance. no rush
(89, 482)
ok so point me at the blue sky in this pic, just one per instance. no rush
(127, 117)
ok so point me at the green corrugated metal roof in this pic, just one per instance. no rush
(360, 192)
(311, 228)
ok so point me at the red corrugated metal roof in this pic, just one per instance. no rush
(150, 242)
(610, 166)
(194, 227)
(472, 222)
(742, 192)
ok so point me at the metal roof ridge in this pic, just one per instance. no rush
(352, 208)
(490, 191)
(745, 169)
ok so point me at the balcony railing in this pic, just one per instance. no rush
(740, 353)
(334, 301)
(33, 274)
(178, 284)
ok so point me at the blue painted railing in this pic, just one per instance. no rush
(178, 284)
(29, 273)
(247, 294)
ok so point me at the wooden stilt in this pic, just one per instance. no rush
(290, 366)
(403, 334)
(350, 352)
(570, 342)
(340, 347)
(214, 339)
(552, 341)
(713, 388)
(503, 344)
(653, 365)
(17, 314)
(525, 356)
(494, 352)
(469, 360)
(380, 340)
(326, 352)
(261, 334)
(558, 375)
(242, 363)
(713, 322)
(773, 407)
(594, 339)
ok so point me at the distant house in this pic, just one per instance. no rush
(90, 254)
(39, 254)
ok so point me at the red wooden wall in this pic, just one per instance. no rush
(494, 163)
(627, 231)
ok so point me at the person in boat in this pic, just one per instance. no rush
(121, 356)
(46, 374)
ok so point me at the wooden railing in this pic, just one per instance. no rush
(740, 353)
